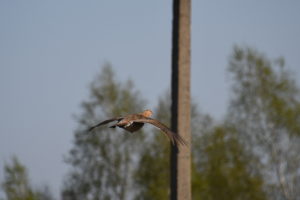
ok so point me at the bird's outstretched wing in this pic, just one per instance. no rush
(175, 138)
(105, 122)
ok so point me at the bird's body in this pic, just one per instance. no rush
(135, 126)
(135, 122)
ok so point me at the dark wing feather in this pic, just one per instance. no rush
(175, 138)
(105, 122)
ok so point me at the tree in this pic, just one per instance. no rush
(102, 161)
(220, 166)
(265, 108)
(223, 172)
(16, 184)
(180, 183)
(152, 175)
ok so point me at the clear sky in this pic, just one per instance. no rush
(51, 50)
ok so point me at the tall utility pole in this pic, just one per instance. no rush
(181, 113)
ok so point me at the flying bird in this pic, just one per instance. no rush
(135, 122)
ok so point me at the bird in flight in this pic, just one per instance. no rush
(135, 122)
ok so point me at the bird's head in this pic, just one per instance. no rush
(147, 113)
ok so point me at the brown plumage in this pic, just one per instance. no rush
(135, 122)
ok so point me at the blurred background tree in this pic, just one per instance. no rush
(223, 169)
(152, 175)
(220, 165)
(16, 184)
(265, 109)
(103, 160)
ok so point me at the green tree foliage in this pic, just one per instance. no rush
(219, 167)
(222, 172)
(102, 161)
(263, 86)
(265, 109)
(16, 184)
(152, 175)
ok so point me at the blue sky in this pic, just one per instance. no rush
(51, 50)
